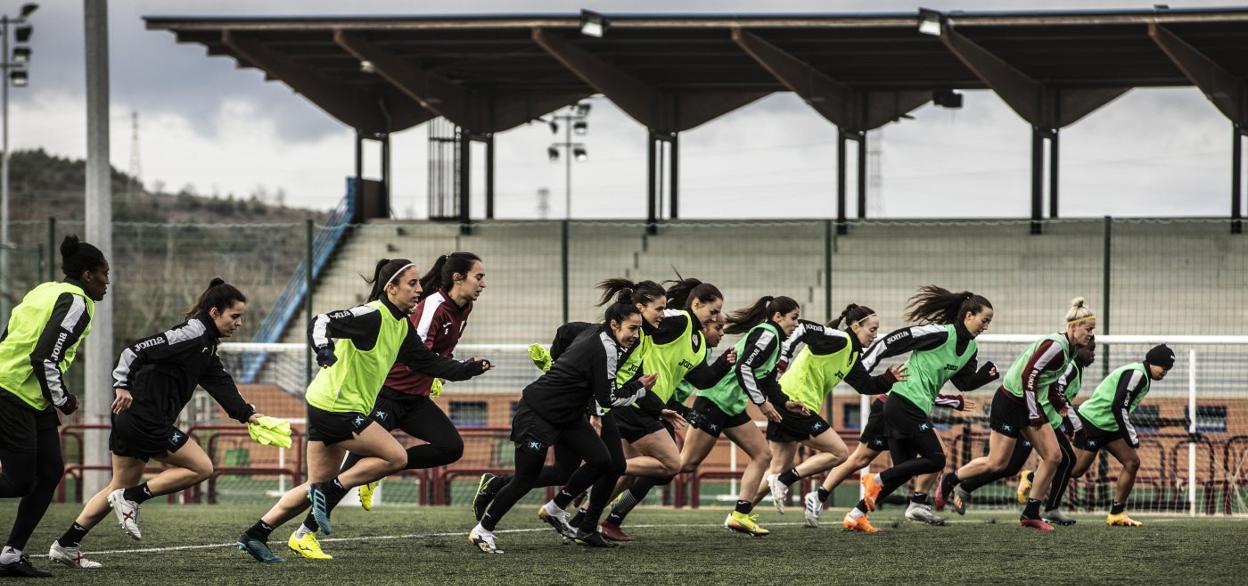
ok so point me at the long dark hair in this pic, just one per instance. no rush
(683, 291)
(384, 274)
(741, 320)
(937, 305)
(442, 274)
(219, 295)
(852, 314)
(626, 291)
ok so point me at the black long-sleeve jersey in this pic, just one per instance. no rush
(584, 372)
(927, 337)
(162, 371)
(823, 340)
(362, 325)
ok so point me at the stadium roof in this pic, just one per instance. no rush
(673, 72)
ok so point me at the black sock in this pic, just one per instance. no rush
(919, 498)
(564, 498)
(744, 507)
(138, 494)
(948, 482)
(789, 477)
(862, 506)
(73, 536)
(1117, 508)
(824, 494)
(496, 484)
(334, 493)
(1032, 510)
(260, 530)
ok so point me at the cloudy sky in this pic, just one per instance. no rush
(204, 123)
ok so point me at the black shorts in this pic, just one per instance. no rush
(873, 434)
(1009, 414)
(793, 426)
(533, 433)
(393, 409)
(1093, 438)
(903, 419)
(635, 424)
(132, 437)
(330, 428)
(713, 421)
(20, 424)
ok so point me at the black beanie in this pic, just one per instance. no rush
(78, 256)
(1161, 356)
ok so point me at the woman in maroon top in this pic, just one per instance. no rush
(452, 285)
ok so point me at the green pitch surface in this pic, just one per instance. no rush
(396, 545)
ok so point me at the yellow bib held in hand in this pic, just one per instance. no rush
(270, 431)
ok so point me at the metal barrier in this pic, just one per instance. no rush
(236, 430)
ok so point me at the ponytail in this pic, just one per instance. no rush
(683, 291)
(441, 275)
(741, 320)
(852, 314)
(625, 291)
(387, 271)
(219, 295)
(937, 305)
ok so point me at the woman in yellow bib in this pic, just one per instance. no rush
(356, 348)
(39, 344)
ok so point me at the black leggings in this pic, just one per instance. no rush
(912, 456)
(1022, 451)
(603, 480)
(420, 418)
(576, 443)
(32, 476)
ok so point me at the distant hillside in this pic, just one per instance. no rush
(44, 185)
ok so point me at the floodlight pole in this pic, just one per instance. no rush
(4, 174)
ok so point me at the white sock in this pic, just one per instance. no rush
(856, 514)
(553, 509)
(301, 531)
(10, 555)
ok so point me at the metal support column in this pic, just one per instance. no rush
(841, 227)
(384, 139)
(673, 155)
(309, 238)
(1053, 165)
(862, 174)
(1237, 177)
(1037, 178)
(359, 158)
(1106, 272)
(465, 181)
(489, 176)
(652, 197)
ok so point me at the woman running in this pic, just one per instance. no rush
(651, 301)
(448, 292)
(356, 349)
(154, 380)
(677, 353)
(1068, 386)
(1019, 409)
(552, 413)
(942, 349)
(1106, 418)
(722, 408)
(38, 347)
(830, 356)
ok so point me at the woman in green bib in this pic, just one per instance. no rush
(356, 349)
(1107, 425)
(941, 350)
(1021, 408)
(830, 356)
(37, 348)
(1068, 385)
(722, 408)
